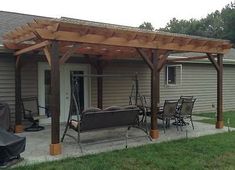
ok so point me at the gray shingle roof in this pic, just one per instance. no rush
(229, 55)
(11, 20)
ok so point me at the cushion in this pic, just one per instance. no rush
(130, 107)
(73, 124)
(91, 109)
(111, 108)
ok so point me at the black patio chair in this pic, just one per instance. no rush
(185, 112)
(30, 109)
(168, 113)
(184, 98)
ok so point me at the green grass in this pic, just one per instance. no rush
(229, 114)
(208, 152)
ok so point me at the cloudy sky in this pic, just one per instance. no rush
(124, 12)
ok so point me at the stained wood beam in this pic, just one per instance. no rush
(25, 37)
(47, 52)
(155, 95)
(18, 61)
(18, 113)
(187, 58)
(120, 41)
(99, 70)
(162, 62)
(68, 54)
(33, 47)
(212, 60)
(55, 146)
(220, 121)
(145, 57)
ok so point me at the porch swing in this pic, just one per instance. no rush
(95, 118)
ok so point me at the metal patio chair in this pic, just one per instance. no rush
(168, 112)
(30, 109)
(183, 98)
(185, 112)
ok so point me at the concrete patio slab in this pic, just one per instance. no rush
(37, 143)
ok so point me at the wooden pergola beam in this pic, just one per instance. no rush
(120, 41)
(33, 47)
(212, 59)
(68, 54)
(162, 60)
(188, 58)
(18, 61)
(18, 114)
(25, 37)
(145, 57)
(47, 52)
(220, 121)
(155, 94)
(55, 147)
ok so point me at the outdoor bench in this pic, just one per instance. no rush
(96, 119)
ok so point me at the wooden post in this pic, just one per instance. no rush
(55, 147)
(18, 113)
(220, 122)
(99, 70)
(136, 89)
(155, 95)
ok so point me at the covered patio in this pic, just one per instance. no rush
(59, 39)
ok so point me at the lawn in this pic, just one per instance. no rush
(208, 152)
(227, 115)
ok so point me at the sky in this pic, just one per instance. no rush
(123, 12)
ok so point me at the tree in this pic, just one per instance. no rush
(147, 26)
(218, 24)
(228, 16)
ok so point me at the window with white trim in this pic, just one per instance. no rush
(173, 74)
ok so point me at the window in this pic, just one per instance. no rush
(173, 74)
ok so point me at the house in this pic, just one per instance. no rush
(185, 77)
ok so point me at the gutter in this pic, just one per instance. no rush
(4, 50)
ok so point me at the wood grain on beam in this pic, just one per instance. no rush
(25, 37)
(47, 52)
(187, 58)
(120, 41)
(33, 47)
(145, 57)
(162, 60)
(68, 54)
(212, 60)
(17, 61)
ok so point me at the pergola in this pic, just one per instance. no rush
(61, 38)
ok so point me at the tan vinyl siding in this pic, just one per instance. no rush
(116, 90)
(7, 83)
(197, 80)
(201, 82)
(29, 79)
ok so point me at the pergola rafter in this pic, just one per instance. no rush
(62, 30)
(66, 37)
